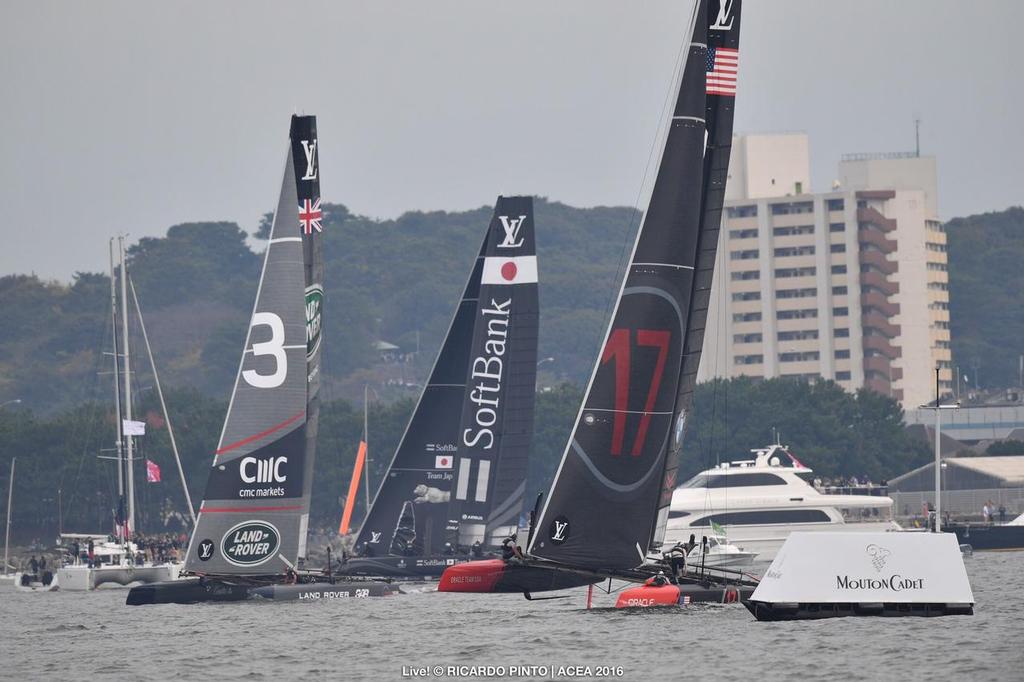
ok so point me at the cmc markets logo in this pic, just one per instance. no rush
(250, 543)
(559, 530)
(314, 310)
(879, 555)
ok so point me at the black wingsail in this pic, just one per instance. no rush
(255, 512)
(441, 463)
(497, 414)
(607, 499)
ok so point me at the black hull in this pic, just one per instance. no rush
(195, 590)
(984, 537)
(408, 568)
(765, 611)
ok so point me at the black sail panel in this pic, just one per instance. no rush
(723, 37)
(253, 517)
(497, 414)
(603, 507)
(409, 514)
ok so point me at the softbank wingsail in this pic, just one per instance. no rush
(606, 511)
(250, 535)
(456, 485)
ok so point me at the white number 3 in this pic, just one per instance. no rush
(275, 347)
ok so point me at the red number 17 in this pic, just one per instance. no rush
(618, 348)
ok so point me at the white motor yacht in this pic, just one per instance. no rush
(759, 502)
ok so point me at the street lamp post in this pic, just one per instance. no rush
(938, 407)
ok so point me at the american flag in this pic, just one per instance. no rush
(721, 71)
(684, 599)
(310, 216)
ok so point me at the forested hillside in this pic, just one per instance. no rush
(394, 280)
(986, 278)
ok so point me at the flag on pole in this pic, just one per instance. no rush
(133, 428)
(717, 529)
(152, 472)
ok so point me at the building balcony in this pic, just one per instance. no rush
(872, 216)
(876, 259)
(882, 345)
(878, 365)
(879, 281)
(879, 302)
(869, 235)
(876, 194)
(878, 384)
(879, 322)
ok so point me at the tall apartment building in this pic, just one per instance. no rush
(849, 284)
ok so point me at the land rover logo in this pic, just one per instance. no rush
(559, 530)
(205, 550)
(250, 543)
(314, 309)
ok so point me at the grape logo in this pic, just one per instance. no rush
(250, 543)
(879, 555)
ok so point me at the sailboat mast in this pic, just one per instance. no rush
(10, 494)
(163, 404)
(129, 459)
(117, 397)
(366, 440)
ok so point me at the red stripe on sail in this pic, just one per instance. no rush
(261, 434)
(227, 510)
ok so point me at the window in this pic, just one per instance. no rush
(786, 251)
(793, 230)
(835, 204)
(839, 291)
(939, 305)
(742, 480)
(768, 516)
(840, 312)
(746, 317)
(742, 234)
(798, 335)
(747, 296)
(748, 359)
(838, 248)
(796, 272)
(744, 255)
(798, 314)
(678, 514)
(795, 207)
(741, 211)
(841, 333)
(842, 355)
(938, 286)
(837, 227)
(804, 356)
(746, 338)
(795, 293)
(938, 267)
(745, 275)
(838, 269)
(842, 376)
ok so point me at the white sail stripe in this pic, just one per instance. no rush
(667, 265)
(284, 239)
(689, 118)
(704, 45)
(482, 474)
(463, 483)
(292, 347)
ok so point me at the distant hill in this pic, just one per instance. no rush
(986, 278)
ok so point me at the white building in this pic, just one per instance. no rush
(849, 284)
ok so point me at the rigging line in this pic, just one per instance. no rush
(100, 342)
(638, 215)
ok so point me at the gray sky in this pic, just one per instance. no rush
(133, 116)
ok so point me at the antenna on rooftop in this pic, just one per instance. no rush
(917, 136)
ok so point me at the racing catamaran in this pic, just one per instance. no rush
(455, 487)
(606, 512)
(250, 536)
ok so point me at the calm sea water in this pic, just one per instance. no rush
(95, 636)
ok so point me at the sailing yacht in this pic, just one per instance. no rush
(608, 506)
(250, 537)
(455, 487)
(759, 502)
